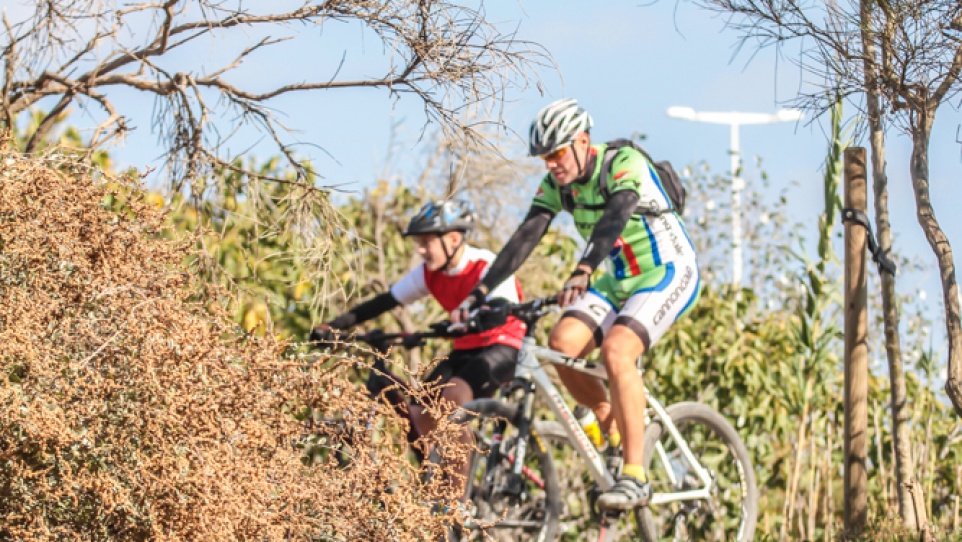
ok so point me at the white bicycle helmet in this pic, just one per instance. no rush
(556, 126)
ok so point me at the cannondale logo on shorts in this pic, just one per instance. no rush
(675, 294)
(599, 310)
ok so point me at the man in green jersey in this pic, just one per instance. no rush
(652, 278)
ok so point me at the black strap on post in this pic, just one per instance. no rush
(885, 265)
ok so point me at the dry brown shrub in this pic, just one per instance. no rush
(131, 410)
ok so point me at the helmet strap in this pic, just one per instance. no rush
(450, 256)
(583, 169)
(581, 166)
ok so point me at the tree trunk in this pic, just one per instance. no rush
(855, 446)
(890, 310)
(893, 347)
(943, 253)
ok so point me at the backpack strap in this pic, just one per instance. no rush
(609, 157)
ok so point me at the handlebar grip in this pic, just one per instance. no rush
(413, 340)
(534, 305)
(545, 301)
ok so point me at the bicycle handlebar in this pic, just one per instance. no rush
(414, 339)
(496, 313)
(381, 341)
(531, 311)
(484, 318)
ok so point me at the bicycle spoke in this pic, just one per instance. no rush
(507, 507)
(729, 512)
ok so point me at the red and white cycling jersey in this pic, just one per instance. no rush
(450, 287)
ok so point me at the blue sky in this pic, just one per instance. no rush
(626, 63)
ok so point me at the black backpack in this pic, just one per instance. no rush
(666, 174)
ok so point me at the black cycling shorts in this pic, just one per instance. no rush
(484, 369)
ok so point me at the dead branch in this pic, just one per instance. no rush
(446, 55)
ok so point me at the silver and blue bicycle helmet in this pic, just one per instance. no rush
(441, 217)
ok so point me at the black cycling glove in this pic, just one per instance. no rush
(323, 335)
(474, 300)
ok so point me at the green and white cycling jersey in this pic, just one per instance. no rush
(647, 241)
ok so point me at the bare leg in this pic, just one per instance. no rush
(620, 351)
(573, 338)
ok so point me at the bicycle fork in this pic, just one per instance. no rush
(701, 472)
(514, 485)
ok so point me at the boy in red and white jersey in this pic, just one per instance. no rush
(451, 268)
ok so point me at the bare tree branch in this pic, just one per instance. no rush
(446, 55)
(42, 131)
(9, 59)
(85, 53)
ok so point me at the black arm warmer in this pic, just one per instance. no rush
(519, 247)
(363, 312)
(618, 211)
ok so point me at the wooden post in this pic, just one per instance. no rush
(955, 516)
(856, 348)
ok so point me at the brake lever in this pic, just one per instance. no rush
(470, 325)
(454, 330)
(441, 327)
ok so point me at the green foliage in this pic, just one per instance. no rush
(274, 283)
(769, 359)
(273, 276)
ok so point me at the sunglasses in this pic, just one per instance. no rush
(554, 156)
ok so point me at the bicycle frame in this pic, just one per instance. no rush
(529, 369)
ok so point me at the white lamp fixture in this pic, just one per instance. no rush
(735, 119)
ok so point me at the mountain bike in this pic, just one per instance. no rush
(527, 508)
(703, 482)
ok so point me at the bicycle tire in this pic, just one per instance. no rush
(735, 492)
(534, 513)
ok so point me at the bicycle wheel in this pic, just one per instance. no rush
(506, 507)
(731, 512)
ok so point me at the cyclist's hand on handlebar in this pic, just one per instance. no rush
(440, 327)
(493, 314)
(447, 328)
(323, 335)
(474, 300)
(575, 287)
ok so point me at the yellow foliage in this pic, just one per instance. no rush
(155, 200)
(302, 289)
(255, 319)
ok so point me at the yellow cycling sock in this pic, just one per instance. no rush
(635, 471)
(614, 439)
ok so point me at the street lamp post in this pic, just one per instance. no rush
(734, 120)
